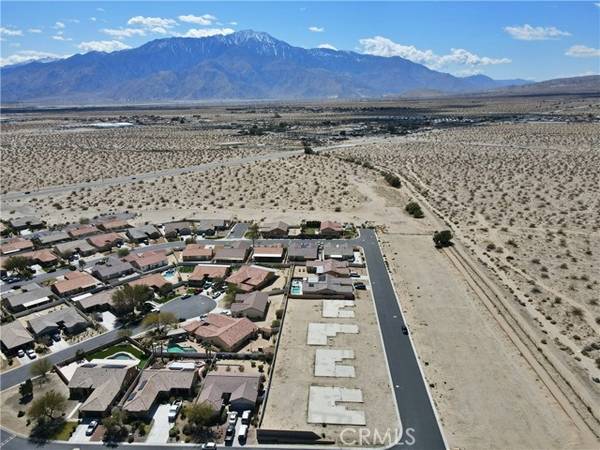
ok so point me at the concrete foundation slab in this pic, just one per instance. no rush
(323, 406)
(318, 333)
(337, 308)
(326, 363)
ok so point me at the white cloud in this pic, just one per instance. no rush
(10, 32)
(123, 32)
(102, 46)
(34, 30)
(582, 51)
(100, 9)
(233, 23)
(316, 29)
(528, 33)
(60, 37)
(381, 46)
(205, 32)
(205, 19)
(93, 19)
(154, 24)
(26, 56)
(329, 46)
(59, 26)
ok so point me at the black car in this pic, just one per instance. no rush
(360, 286)
(404, 330)
(230, 433)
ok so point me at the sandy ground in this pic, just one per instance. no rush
(522, 198)
(293, 371)
(11, 402)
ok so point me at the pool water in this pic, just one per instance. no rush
(169, 273)
(296, 288)
(120, 355)
(176, 348)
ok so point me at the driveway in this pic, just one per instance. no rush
(79, 433)
(58, 346)
(193, 306)
(159, 433)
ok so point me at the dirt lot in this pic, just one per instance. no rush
(293, 372)
(11, 402)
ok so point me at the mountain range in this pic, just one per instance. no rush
(241, 65)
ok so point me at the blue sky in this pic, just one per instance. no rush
(533, 40)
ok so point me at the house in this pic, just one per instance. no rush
(274, 230)
(341, 251)
(82, 231)
(106, 241)
(209, 227)
(45, 238)
(112, 268)
(143, 233)
(75, 283)
(100, 301)
(114, 225)
(15, 245)
(28, 296)
(67, 319)
(196, 252)
(81, 246)
(99, 386)
(329, 267)
(303, 251)
(149, 260)
(332, 229)
(26, 222)
(238, 391)
(250, 278)
(43, 257)
(174, 229)
(156, 385)
(14, 337)
(252, 306)
(203, 272)
(327, 287)
(269, 253)
(154, 281)
(236, 253)
(227, 333)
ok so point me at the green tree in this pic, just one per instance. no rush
(40, 368)
(48, 407)
(122, 252)
(115, 430)
(414, 209)
(442, 238)
(200, 414)
(26, 389)
(128, 298)
(160, 320)
(392, 180)
(208, 347)
(18, 264)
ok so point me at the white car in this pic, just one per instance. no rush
(232, 417)
(246, 417)
(242, 432)
(209, 445)
(20, 353)
(174, 410)
(91, 427)
(31, 354)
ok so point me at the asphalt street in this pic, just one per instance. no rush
(414, 404)
(186, 308)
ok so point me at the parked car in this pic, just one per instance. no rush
(31, 354)
(232, 417)
(404, 330)
(183, 297)
(360, 286)
(209, 445)
(56, 337)
(230, 433)
(216, 294)
(174, 410)
(91, 428)
(242, 433)
(20, 353)
(354, 275)
(246, 415)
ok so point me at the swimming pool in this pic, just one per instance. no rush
(296, 288)
(121, 355)
(176, 348)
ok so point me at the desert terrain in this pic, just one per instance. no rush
(516, 179)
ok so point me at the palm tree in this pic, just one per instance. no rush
(208, 347)
(253, 233)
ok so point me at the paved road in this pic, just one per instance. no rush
(238, 231)
(414, 405)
